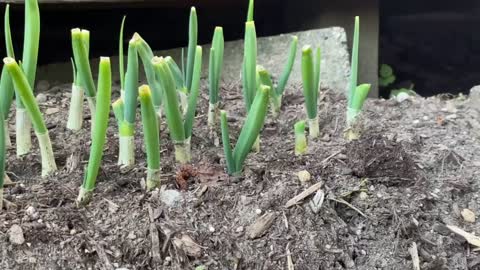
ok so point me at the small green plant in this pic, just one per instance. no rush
(265, 78)
(25, 92)
(311, 84)
(386, 76)
(126, 129)
(151, 137)
(214, 75)
(357, 94)
(146, 55)
(6, 84)
(29, 66)
(191, 49)
(180, 127)
(300, 138)
(99, 132)
(121, 59)
(75, 112)
(249, 133)
(81, 47)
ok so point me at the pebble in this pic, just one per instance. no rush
(41, 98)
(304, 176)
(468, 215)
(451, 117)
(52, 111)
(30, 211)
(211, 229)
(258, 211)
(15, 235)
(363, 196)
(239, 229)
(170, 197)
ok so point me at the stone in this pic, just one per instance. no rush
(474, 97)
(41, 98)
(304, 176)
(170, 197)
(468, 215)
(15, 235)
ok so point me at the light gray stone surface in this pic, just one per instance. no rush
(272, 54)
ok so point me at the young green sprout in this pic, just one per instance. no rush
(126, 156)
(357, 94)
(24, 90)
(180, 128)
(249, 133)
(251, 5)
(249, 70)
(311, 83)
(151, 137)
(214, 75)
(263, 76)
(100, 131)
(6, 84)
(75, 112)
(29, 67)
(121, 56)
(81, 47)
(300, 138)
(146, 55)
(192, 44)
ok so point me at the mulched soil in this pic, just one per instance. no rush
(413, 172)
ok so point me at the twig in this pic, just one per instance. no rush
(342, 201)
(414, 253)
(303, 195)
(331, 156)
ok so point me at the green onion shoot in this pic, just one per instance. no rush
(214, 75)
(357, 93)
(248, 135)
(180, 127)
(311, 81)
(25, 92)
(151, 137)
(126, 156)
(6, 84)
(251, 5)
(191, 49)
(3, 153)
(75, 112)
(99, 133)
(81, 47)
(121, 57)
(29, 66)
(146, 54)
(300, 138)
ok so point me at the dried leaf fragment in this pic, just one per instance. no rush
(260, 226)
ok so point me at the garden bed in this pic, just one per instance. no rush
(413, 172)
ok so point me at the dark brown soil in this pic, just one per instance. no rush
(414, 170)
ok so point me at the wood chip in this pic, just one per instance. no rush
(290, 265)
(52, 111)
(154, 236)
(472, 239)
(303, 195)
(414, 253)
(186, 243)
(317, 201)
(260, 226)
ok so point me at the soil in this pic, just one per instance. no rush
(412, 173)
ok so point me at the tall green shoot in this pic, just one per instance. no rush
(214, 75)
(311, 81)
(6, 84)
(100, 130)
(357, 93)
(180, 127)
(126, 156)
(121, 56)
(249, 133)
(151, 137)
(192, 44)
(29, 66)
